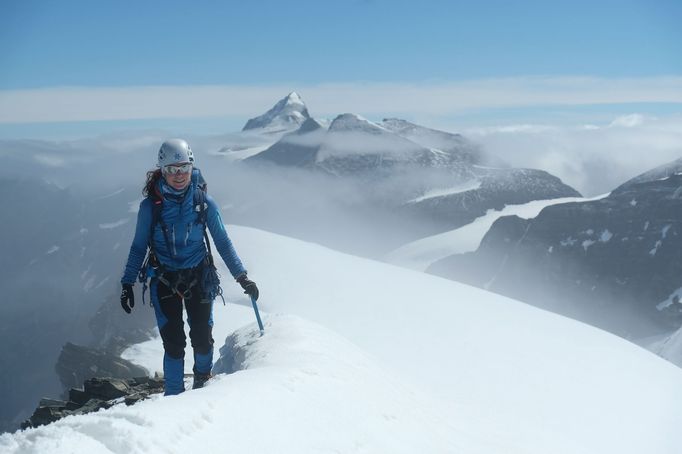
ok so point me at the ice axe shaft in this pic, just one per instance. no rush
(260, 322)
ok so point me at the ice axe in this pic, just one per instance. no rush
(255, 309)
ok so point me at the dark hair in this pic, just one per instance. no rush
(153, 177)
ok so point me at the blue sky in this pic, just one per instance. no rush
(263, 49)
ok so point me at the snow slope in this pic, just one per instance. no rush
(421, 254)
(437, 366)
(277, 402)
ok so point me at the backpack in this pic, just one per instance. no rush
(208, 278)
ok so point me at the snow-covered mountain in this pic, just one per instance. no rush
(261, 132)
(613, 262)
(288, 114)
(419, 172)
(353, 145)
(399, 361)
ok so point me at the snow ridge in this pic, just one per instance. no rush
(318, 380)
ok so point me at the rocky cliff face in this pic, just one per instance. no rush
(613, 262)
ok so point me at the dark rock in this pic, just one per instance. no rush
(78, 396)
(135, 398)
(73, 406)
(106, 388)
(47, 402)
(156, 383)
(44, 415)
(139, 381)
(97, 393)
(92, 405)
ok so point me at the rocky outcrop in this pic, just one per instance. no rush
(97, 393)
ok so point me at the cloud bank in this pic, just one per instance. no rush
(61, 104)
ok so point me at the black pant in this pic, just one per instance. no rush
(169, 317)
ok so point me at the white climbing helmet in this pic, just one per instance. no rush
(175, 151)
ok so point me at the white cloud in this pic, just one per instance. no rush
(439, 98)
(628, 121)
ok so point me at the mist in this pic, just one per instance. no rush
(593, 159)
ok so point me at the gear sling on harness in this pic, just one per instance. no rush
(181, 282)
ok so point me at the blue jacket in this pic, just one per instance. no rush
(186, 236)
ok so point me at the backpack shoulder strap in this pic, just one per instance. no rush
(200, 189)
(156, 200)
(201, 206)
(157, 218)
(156, 206)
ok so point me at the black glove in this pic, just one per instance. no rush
(127, 298)
(249, 286)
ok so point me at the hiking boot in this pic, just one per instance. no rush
(200, 380)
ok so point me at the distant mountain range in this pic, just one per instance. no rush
(612, 262)
(443, 177)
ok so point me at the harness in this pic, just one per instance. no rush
(181, 282)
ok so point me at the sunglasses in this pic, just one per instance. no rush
(172, 170)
